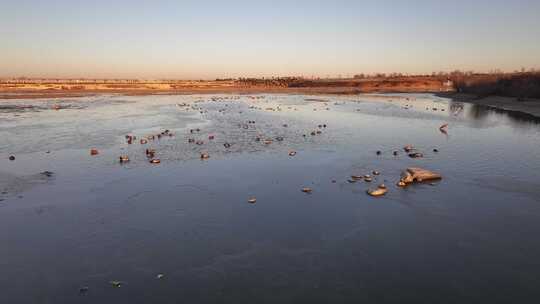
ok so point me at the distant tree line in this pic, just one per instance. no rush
(520, 84)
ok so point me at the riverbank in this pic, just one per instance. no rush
(191, 91)
(28, 89)
(529, 106)
(35, 94)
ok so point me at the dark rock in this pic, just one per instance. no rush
(416, 155)
(47, 173)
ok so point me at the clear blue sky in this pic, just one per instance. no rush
(208, 39)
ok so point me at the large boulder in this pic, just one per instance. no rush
(413, 174)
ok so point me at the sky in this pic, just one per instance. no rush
(221, 39)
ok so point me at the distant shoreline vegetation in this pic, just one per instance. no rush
(521, 85)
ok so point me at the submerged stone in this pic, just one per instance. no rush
(408, 148)
(416, 155)
(307, 190)
(47, 173)
(116, 284)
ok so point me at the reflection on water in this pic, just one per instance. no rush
(93, 221)
(486, 116)
(516, 118)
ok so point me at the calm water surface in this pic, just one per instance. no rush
(472, 237)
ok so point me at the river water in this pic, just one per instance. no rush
(182, 231)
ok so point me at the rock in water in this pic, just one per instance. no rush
(416, 155)
(414, 174)
(380, 191)
(307, 190)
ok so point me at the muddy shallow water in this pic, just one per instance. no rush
(472, 237)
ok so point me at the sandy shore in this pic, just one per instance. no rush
(33, 94)
(75, 88)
